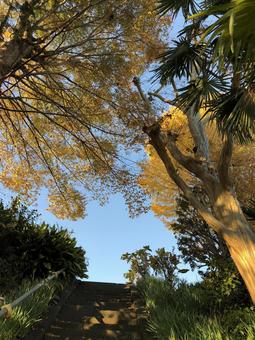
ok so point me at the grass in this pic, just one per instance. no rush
(183, 313)
(28, 312)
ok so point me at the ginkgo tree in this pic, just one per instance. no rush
(61, 64)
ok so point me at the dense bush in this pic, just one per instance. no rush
(183, 313)
(31, 251)
(225, 286)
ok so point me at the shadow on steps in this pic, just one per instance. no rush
(96, 311)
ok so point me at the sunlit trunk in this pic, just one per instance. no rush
(242, 249)
(239, 237)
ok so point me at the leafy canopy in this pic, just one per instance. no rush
(163, 190)
(65, 68)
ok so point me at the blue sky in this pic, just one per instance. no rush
(108, 232)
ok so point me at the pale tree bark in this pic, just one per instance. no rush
(196, 128)
(237, 232)
(239, 236)
(225, 216)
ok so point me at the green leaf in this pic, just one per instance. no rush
(235, 114)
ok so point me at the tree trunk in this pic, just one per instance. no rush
(242, 249)
(239, 237)
(227, 217)
(12, 54)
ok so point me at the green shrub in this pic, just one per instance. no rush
(32, 250)
(225, 286)
(143, 263)
(182, 313)
(28, 312)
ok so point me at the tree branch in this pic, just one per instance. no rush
(156, 140)
(146, 101)
(198, 134)
(189, 163)
(164, 100)
(195, 124)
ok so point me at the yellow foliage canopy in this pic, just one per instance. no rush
(63, 66)
(163, 191)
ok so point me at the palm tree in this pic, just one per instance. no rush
(234, 27)
(207, 75)
(221, 58)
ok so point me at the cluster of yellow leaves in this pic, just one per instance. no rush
(154, 178)
(163, 191)
(69, 204)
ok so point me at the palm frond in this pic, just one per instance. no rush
(180, 60)
(193, 29)
(235, 29)
(201, 91)
(235, 113)
(187, 7)
(208, 4)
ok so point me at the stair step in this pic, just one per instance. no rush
(96, 311)
(76, 330)
(106, 288)
(84, 300)
(106, 313)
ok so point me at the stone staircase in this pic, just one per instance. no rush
(96, 311)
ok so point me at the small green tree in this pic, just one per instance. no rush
(139, 263)
(143, 263)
